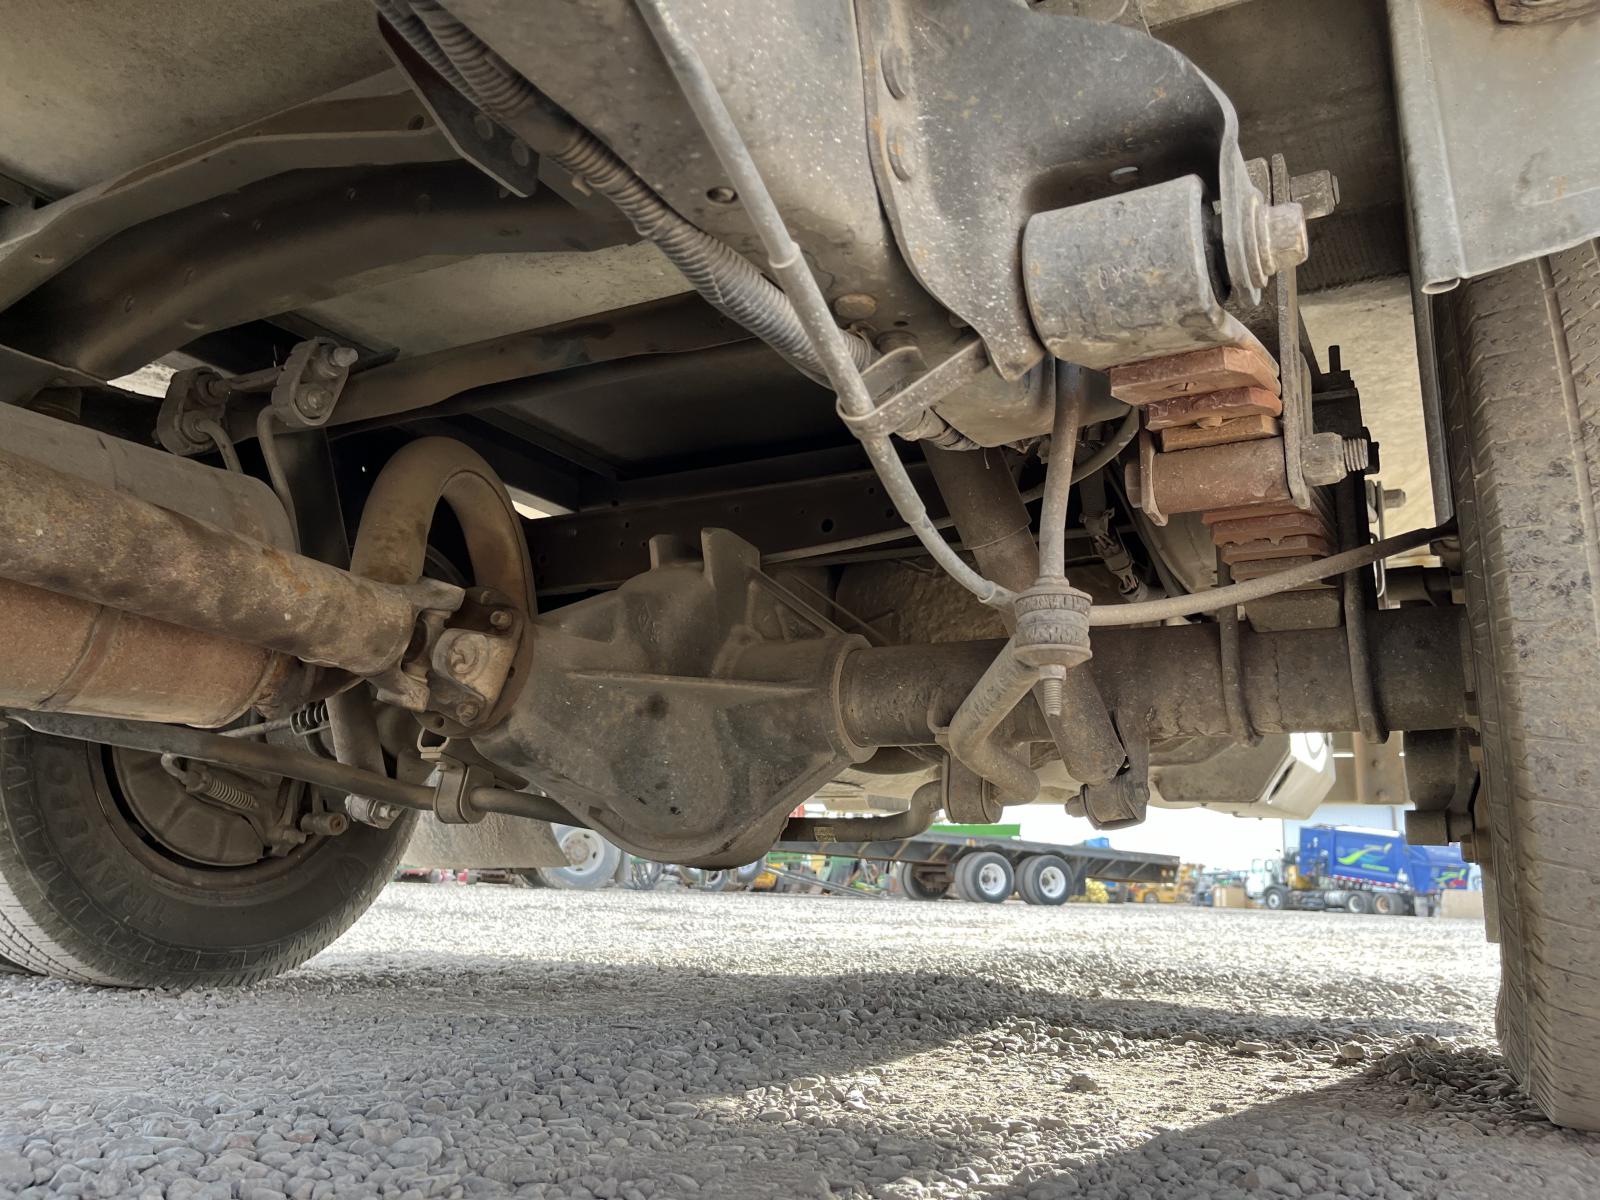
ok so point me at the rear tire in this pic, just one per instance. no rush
(91, 893)
(918, 883)
(985, 877)
(1518, 352)
(1358, 902)
(1386, 905)
(1045, 879)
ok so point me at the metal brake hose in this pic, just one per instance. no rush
(1144, 611)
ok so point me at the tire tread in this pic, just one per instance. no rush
(1520, 368)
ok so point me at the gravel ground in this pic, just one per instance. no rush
(466, 1041)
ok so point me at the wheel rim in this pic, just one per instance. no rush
(179, 838)
(991, 879)
(584, 850)
(1052, 882)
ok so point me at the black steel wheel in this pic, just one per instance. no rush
(110, 873)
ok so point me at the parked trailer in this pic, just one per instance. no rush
(986, 868)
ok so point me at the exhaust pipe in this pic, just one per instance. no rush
(189, 610)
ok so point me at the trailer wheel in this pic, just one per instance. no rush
(985, 877)
(1517, 350)
(920, 882)
(1045, 879)
(1275, 898)
(1357, 902)
(111, 874)
(593, 860)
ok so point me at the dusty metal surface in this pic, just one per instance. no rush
(1171, 679)
(1154, 289)
(984, 114)
(471, 666)
(1496, 122)
(83, 539)
(994, 522)
(710, 654)
(807, 128)
(74, 655)
(413, 385)
(274, 245)
(359, 131)
(496, 841)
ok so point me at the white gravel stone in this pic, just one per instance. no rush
(475, 1042)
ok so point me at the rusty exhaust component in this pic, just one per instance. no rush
(79, 538)
(70, 655)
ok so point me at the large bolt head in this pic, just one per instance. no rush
(1287, 242)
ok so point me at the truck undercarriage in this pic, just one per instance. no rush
(644, 418)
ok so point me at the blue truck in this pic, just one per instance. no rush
(1358, 870)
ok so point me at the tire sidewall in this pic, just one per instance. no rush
(972, 867)
(111, 918)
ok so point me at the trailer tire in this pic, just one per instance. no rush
(1357, 902)
(90, 891)
(985, 877)
(1521, 398)
(1045, 879)
(1275, 898)
(918, 882)
(596, 862)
